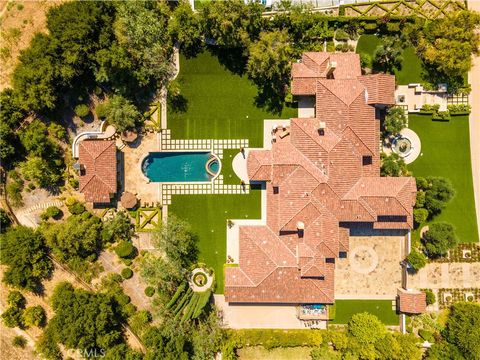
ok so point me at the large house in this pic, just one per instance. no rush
(98, 170)
(322, 177)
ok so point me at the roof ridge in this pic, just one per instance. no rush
(327, 81)
(358, 137)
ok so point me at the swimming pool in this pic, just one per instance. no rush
(178, 166)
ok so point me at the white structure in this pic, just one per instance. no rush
(414, 96)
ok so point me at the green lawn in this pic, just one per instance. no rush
(229, 176)
(220, 104)
(208, 214)
(380, 308)
(446, 152)
(411, 69)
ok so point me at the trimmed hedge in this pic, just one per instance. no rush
(124, 249)
(127, 273)
(177, 294)
(203, 300)
(273, 338)
(149, 291)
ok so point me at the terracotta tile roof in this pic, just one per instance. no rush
(319, 179)
(98, 178)
(380, 87)
(412, 301)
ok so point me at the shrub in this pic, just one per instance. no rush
(127, 273)
(82, 110)
(274, 338)
(341, 35)
(393, 27)
(417, 260)
(344, 47)
(440, 238)
(149, 291)
(420, 215)
(34, 316)
(430, 297)
(395, 120)
(12, 317)
(365, 60)
(429, 109)
(420, 201)
(77, 208)
(199, 279)
(16, 300)
(124, 249)
(19, 341)
(57, 131)
(70, 201)
(442, 116)
(73, 183)
(426, 335)
(370, 27)
(459, 108)
(51, 212)
(101, 110)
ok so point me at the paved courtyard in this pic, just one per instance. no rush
(446, 275)
(372, 269)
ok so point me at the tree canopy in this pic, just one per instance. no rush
(121, 113)
(440, 238)
(463, 329)
(25, 254)
(393, 165)
(395, 120)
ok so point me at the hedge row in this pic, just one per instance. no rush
(177, 294)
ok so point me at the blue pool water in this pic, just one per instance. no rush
(177, 166)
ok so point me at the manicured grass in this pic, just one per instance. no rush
(229, 176)
(411, 69)
(380, 308)
(207, 215)
(220, 104)
(367, 45)
(446, 153)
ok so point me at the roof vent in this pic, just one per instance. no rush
(300, 225)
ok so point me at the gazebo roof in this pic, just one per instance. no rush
(128, 200)
(412, 301)
(129, 135)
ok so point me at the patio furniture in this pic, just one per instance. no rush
(284, 133)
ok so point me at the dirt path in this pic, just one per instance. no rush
(474, 80)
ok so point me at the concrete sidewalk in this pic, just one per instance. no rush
(474, 80)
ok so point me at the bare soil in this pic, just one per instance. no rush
(20, 20)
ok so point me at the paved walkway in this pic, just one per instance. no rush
(474, 80)
(29, 217)
(446, 275)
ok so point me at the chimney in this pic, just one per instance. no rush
(332, 65)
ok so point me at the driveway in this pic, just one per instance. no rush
(474, 79)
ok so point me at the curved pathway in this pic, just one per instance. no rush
(474, 80)
(26, 217)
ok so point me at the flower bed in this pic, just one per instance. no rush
(199, 279)
(447, 297)
(462, 253)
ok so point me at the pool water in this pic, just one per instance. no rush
(214, 166)
(177, 166)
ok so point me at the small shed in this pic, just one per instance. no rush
(411, 301)
(129, 135)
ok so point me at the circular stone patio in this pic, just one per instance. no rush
(239, 165)
(363, 259)
(416, 146)
(204, 287)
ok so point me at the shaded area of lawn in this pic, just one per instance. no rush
(446, 153)
(382, 309)
(411, 70)
(219, 104)
(208, 214)
(229, 176)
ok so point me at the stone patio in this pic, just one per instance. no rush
(372, 269)
(446, 275)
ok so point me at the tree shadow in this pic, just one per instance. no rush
(233, 59)
(270, 100)
(178, 103)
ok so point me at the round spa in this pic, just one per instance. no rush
(180, 166)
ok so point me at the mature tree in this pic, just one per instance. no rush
(443, 350)
(269, 62)
(12, 316)
(10, 117)
(36, 78)
(207, 338)
(141, 29)
(366, 328)
(463, 329)
(395, 120)
(420, 215)
(121, 113)
(232, 24)
(447, 44)
(177, 241)
(185, 28)
(83, 320)
(438, 193)
(26, 256)
(409, 348)
(417, 260)
(393, 165)
(35, 138)
(5, 221)
(440, 238)
(388, 55)
(162, 345)
(34, 316)
(117, 228)
(161, 274)
(40, 171)
(324, 352)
